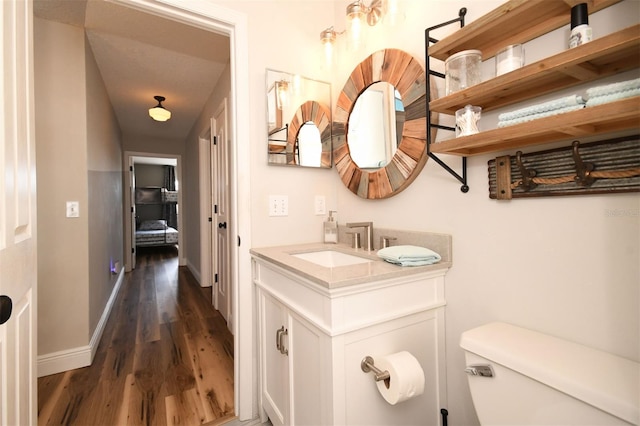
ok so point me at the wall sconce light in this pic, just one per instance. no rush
(158, 112)
(282, 93)
(328, 40)
(357, 13)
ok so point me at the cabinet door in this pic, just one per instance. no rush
(274, 363)
(309, 390)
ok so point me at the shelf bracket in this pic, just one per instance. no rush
(427, 41)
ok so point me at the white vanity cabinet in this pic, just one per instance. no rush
(314, 330)
(290, 361)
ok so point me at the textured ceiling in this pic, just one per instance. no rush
(141, 55)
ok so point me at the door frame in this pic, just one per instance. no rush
(128, 245)
(209, 16)
(206, 225)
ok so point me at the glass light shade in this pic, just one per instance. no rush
(282, 93)
(393, 15)
(328, 38)
(328, 52)
(159, 113)
(355, 17)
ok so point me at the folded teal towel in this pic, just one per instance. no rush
(409, 255)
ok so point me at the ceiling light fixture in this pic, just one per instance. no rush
(158, 112)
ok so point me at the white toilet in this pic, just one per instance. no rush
(522, 377)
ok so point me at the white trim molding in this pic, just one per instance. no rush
(81, 356)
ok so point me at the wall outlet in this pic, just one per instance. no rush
(278, 205)
(320, 205)
(115, 268)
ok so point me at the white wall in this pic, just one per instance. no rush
(284, 35)
(61, 156)
(104, 164)
(567, 266)
(79, 159)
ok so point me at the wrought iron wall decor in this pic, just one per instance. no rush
(602, 167)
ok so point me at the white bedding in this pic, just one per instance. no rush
(157, 237)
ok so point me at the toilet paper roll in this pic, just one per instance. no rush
(406, 377)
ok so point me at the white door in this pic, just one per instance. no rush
(220, 189)
(18, 268)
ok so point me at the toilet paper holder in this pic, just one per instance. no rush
(367, 365)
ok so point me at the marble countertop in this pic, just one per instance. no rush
(342, 276)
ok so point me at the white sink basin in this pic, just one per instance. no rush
(331, 258)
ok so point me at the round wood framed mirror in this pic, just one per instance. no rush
(408, 77)
(312, 114)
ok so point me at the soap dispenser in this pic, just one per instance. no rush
(331, 229)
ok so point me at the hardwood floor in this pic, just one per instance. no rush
(165, 358)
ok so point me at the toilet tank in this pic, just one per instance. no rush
(543, 380)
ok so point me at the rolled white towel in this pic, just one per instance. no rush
(567, 101)
(505, 123)
(614, 87)
(611, 97)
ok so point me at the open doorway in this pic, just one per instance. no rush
(154, 199)
(234, 25)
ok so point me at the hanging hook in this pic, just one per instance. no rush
(583, 170)
(527, 174)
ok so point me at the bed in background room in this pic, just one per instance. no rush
(155, 233)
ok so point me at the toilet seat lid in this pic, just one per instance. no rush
(601, 379)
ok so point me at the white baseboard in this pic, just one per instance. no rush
(81, 356)
(196, 273)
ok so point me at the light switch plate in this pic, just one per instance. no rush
(73, 209)
(278, 205)
(320, 205)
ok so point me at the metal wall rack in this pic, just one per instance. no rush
(427, 41)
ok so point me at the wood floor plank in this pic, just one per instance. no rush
(165, 357)
(147, 394)
(208, 355)
(50, 385)
(148, 327)
(185, 409)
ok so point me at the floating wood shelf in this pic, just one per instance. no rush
(612, 54)
(602, 119)
(516, 21)
(519, 21)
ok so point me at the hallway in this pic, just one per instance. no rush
(165, 358)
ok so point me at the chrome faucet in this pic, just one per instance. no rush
(368, 227)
